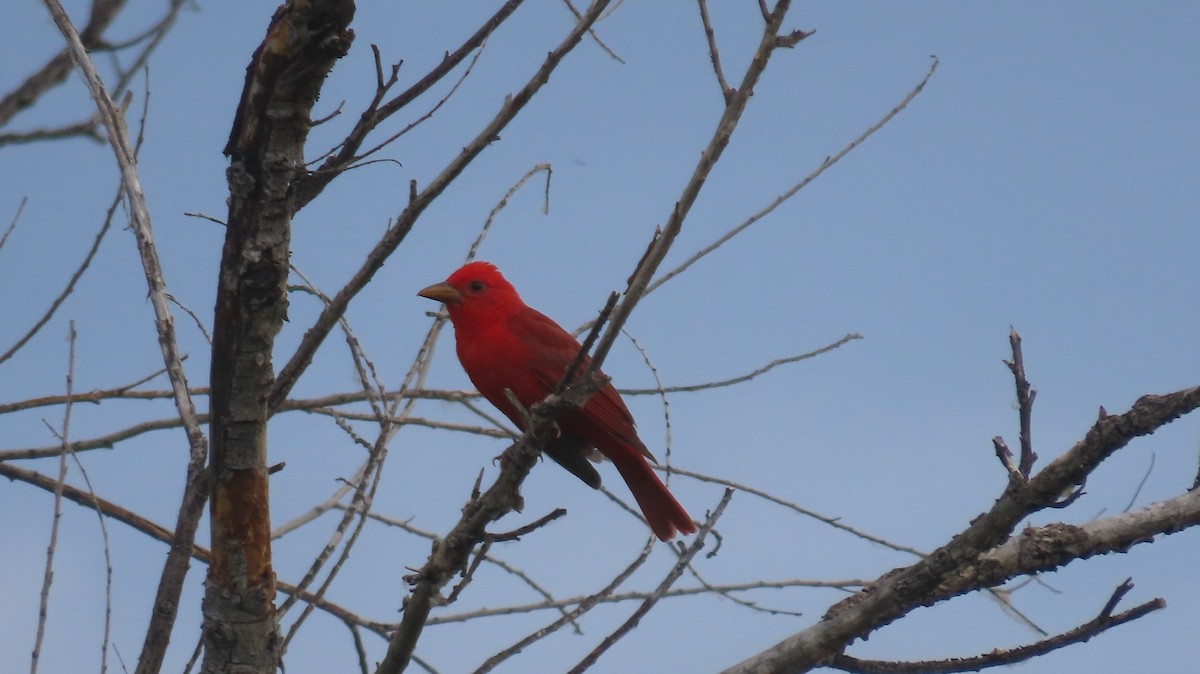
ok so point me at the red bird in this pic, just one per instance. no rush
(503, 344)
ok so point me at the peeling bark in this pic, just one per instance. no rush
(266, 148)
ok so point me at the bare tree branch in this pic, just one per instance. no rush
(308, 189)
(175, 568)
(102, 14)
(1000, 657)
(713, 53)
(65, 449)
(662, 241)
(404, 223)
(88, 128)
(108, 567)
(62, 297)
(13, 223)
(592, 33)
(742, 378)
(583, 607)
(727, 589)
(672, 576)
(835, 522)
(164, 535)
(1025, 396)
(898, 592)
(829, 161)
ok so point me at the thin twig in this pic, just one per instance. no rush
(359, 649)
(666, 405)
(583, 607)
(834, 522)
(1141, 483)
(55, 71)
(165, 535)
(65, 449)
(827, 163)
(1025, 396)
(307, 190)
(487, 223)
(684, 559)
(374, 388)
(13, 223)
(714, 54)
(592, 33)
(526, 529)
(357, 160)
(195, 494)
(1003, 657)
(85, 129)
(661, 243)
(846, 585)
(152, 38)
(197, 651)
(108, 567)
(100, 442)
(549, 599)
(720, 383)
(195, 319)
(66, 292)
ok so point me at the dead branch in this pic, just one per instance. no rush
(721, 383)
(729, 589)
(713, 53)
(364, 489)
(673, 575)
(102, 14)
(899, 591)
(500, 205)
(60, 483)
(1025, 395)
(298, 363)
(835, 522)
(451, 555)
(164, 535)
(525, 530)
(1043, 549)
(175, 568)
(1002, 656)
(62, 297)
(88, 128)
(13, 223)
(308, 188)
(829, 161)
(661, 242)
(583, 607)
(592, 33)
(326, 403)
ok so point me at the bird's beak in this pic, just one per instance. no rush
(442, 292)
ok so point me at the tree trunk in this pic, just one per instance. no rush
(266, 148)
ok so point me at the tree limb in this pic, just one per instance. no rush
(900, 591)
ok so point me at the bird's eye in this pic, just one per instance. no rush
(476, 286)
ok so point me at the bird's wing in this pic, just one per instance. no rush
(551, 350)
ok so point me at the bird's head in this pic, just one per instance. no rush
(477, 291)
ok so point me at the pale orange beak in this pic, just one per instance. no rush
(442, 292)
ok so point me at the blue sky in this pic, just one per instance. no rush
(1048, 178)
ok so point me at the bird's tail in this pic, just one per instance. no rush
(663, 513)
